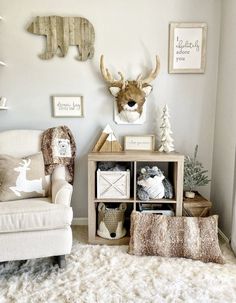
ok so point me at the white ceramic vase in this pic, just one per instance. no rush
(190, 194)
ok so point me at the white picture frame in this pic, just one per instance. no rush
(68, 106)
(187, 47)
(139, 143)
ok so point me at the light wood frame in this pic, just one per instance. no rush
(152, 143)
(70, 99)
(177, 165)
(189, 25)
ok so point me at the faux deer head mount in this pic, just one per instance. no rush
(130, 94)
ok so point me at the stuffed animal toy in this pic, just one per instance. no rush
(111, 221)
(152, 184)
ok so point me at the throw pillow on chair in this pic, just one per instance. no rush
(22, 178)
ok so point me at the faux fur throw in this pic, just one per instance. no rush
(58, 147)
(188, 237)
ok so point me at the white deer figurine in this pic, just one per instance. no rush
(24, 185)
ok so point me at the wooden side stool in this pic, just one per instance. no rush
(196, 207)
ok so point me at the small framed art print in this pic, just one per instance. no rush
(187, 47)
(142, 143)
(69, 106)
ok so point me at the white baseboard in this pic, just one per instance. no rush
(223, 236)
(80, 221)
(84, 221)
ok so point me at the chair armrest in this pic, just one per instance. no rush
(61, 192)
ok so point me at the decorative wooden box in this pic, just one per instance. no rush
(196, 207)
(113, 184)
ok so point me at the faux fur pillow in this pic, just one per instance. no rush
(187, 237)
(22, 178)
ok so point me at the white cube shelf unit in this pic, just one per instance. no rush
(173, 164)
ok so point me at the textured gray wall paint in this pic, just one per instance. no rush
(223, 174)
(129, 33)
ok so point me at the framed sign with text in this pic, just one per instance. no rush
(144, 143)
(70, 106)
(187, 47)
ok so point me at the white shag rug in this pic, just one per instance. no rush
(108, 274)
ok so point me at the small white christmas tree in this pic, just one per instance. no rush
(166, 139)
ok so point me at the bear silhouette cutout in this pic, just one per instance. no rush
(62, 32)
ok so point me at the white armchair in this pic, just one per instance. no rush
(37, 227)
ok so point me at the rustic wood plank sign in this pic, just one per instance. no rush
(62, 32)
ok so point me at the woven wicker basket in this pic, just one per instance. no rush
(111, 221)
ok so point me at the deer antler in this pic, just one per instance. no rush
(25, 163)
(152, 75)
(108, 77)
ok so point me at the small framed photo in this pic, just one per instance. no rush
(69, 106)
(142, 143)
(187, 47)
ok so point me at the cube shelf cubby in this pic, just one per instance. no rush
(171, 163)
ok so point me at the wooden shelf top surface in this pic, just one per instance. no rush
(136, 156)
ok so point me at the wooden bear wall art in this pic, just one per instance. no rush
(62, 32)
(130, 95)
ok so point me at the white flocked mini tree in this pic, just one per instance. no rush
(166, 139)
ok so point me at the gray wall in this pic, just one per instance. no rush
(129, 33)
(223, 176)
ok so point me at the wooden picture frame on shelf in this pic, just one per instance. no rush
(187, 47)
(139, 143)
(68, 106)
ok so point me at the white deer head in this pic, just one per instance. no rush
(24, 166)
(130, 94)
